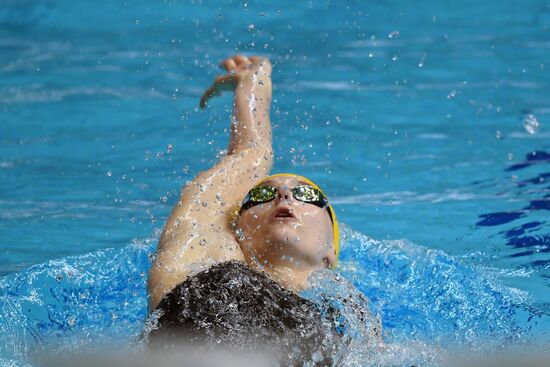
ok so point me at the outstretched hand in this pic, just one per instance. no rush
(239, 68)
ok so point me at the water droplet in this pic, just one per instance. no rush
(71, 321)
(109, 173)
(531, 124)
(394, 58)
(205, 204)
(251, 27)
(371, 54)
(452, 94)
(393, 34)
(239, 234)
(169, 148)
(317, 356)
(510, 156)
(498, 134)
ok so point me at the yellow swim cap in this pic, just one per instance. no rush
(335, 230)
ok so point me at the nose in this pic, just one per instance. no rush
(283, 194)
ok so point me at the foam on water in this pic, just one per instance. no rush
(424, 299)
(428, 295)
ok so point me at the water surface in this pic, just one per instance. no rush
(418, 121)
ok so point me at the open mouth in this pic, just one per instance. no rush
(283, 213)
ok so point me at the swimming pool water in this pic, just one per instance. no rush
(426, 125)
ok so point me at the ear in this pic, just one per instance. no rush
(329, 257)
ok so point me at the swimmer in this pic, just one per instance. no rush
(239, 244)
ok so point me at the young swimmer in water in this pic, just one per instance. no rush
(285, 237)
(239, 244)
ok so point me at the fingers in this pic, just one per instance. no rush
(221, 83)
(242, 60)
(235, 66)
(238, 62)
(210, 92)
(229, 64)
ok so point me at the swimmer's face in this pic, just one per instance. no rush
(286, 231)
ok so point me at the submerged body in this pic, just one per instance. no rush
(219, 254)
(232, 306)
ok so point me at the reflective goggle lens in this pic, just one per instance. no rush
(307, 193)
(265, 193)
(262, 194)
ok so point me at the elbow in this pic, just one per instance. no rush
(265, 152)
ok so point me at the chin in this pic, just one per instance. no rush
(283, 234)
(288, 243)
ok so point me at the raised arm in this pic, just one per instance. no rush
(198, 233)
(251, 80)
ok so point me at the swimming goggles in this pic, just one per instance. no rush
(305, 193)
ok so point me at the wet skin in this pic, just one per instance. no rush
(199, 232)
(285, 232)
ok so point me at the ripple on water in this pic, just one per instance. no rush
(422, 297)
(34, 94)
(406, 197)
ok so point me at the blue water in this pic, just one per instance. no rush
(416, 119)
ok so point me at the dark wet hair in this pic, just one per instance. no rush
(233, 306)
